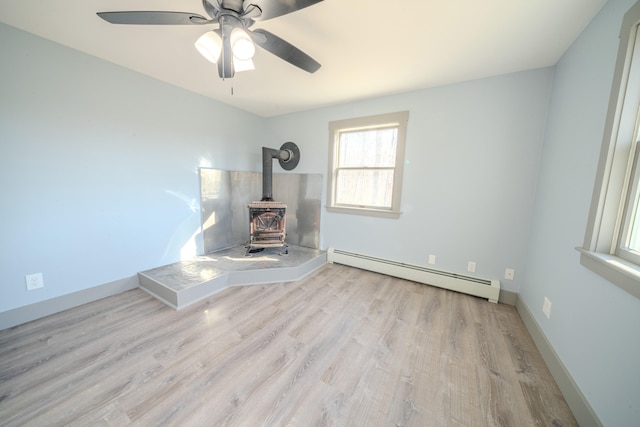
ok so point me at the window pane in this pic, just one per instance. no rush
(366, 187)
(368, 148)
(632, 226)
(634, 238)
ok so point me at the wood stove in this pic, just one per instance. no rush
(268, 225)
(267, 218)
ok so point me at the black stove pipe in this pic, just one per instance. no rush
(288, 155)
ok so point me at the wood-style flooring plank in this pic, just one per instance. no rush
(341, 347)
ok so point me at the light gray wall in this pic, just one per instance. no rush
(99, 167)
(472, 156)
(594, 324)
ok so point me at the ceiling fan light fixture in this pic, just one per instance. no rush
(232, 45)
(242, 45)
(210, 45)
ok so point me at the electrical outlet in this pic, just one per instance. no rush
(509, 273)
(546, 307)
(34, 281)
(471, 266)
(432, 259)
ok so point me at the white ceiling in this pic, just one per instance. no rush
(367, 48)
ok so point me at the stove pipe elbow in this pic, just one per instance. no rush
(288, 155)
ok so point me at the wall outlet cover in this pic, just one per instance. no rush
(34, 281)
(509, 273)
(546, 307)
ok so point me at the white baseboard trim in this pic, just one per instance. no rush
(20, 315)
(579, 405)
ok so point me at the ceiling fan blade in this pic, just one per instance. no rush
(153, 18)
(210, 8)
(285, 50)
(274, 8)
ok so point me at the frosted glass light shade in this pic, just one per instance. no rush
(240, 65)
(210, 45)
(241, 45)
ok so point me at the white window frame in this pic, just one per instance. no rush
(399, 120)
(601, 251)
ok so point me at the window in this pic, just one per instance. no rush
(612, 241)
(366, 156)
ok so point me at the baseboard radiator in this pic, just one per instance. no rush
(484, 288)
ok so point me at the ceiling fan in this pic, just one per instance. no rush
(231, 45)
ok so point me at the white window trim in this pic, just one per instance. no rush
(605, 216)
(401, 118)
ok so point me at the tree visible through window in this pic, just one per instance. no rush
(366, 157)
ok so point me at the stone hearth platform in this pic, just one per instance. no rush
(186, 282)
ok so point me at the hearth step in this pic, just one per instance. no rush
(183, 283)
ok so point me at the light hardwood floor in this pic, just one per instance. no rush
(342, 347)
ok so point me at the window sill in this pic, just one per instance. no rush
(364, 211)
(616, 270)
